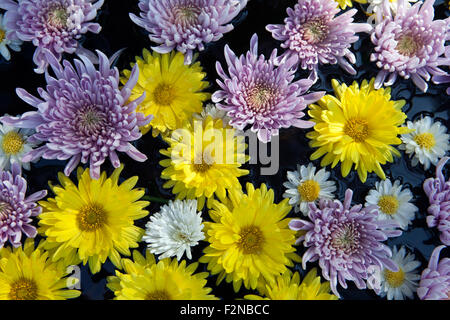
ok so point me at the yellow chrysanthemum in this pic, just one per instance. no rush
(288, 287)
(144, 279)
(28, 274)
(357, 127)
(204, 159)
(92, 221)
(348, 3)
(173, 89)
(250, 240)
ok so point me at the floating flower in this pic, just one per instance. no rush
(91, 123)
(435, 280)
(14, 144)
(377, 5)
(16, 210)
(315, 35)
(8, 38)
(261, 94)
(438, 79)
(92, 221)
(438, 192)
(305, 186)
(174, 230)
(288, 287)
(346, 240)
(348, 3)
(186, 25)
(249, 239)
(392, 202)
(204, 160)
(409, 44)
(403, 283)
(28, 274)
(144, 279)
(174, 91)
(211, 110)
(426, 143)
(357, 127)
(54, 25)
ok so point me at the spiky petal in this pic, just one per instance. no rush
(435, 280)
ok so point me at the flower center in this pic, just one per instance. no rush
(395, 279)
(425, 140)
(201, 167)
(158, 295)
(12, 142)
(5, 210)
(309, 190)
(408, 46)
(23, 289)
(163, 94)
(57, 16)
(357, 129)
(91, 217)
(315, 31)
(186, 15)
(90, 119)
(260, 97)
(388, 204)
(2, 35)
(251, 240)
(345, 237)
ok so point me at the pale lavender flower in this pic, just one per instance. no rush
(55, 25)
(186, 25)
(438, 79)
(83, 115)
(16, 210)
(438, 192)
(258, 93)
(316, 34)
(346, 240)
(435, 280)
(409, 44)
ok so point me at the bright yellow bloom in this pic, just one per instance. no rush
(288, 287)
(204, 159)
(344, 3)
(94, 220)
(250, 240)
(357, 127)
(28, 274)
(144, 279)
(173, 90)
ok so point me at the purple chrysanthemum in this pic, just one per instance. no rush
(55, 25)
(258, 93)
(83, 115)
(438, 79)
(409, 44)
(186, 25)
(435, 280)
(16, 210)
(346, 240)
(438, 192)
(314, 34)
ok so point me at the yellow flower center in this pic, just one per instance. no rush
(357, 129)
(57, 16)
(163, 94)
(388, 204)
(5, 209)
(309, 190)
(425, 140)
(315, 31)
(12, 142)
(158, 295)
(91, 217)
(23, 289)
(251, 240)
(2, 35)
(201, 167)
(395, 279)
(408, 46)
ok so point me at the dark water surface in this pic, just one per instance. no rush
(119, 32)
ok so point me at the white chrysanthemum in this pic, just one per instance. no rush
(404, 282)
(211, 110)
(375, 5)
(427, 144)
(14, 44)
(392, 202)
(305, 186)
(14, 144)
(175, 229)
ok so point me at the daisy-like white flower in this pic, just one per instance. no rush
(9, 39)
(427, 143)
(14, 144)
(404, 282)
(435, 280)
(211, 110)
(305, 186)
(175, 229)
(186, 25)
(392, 202)
(376, 5)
